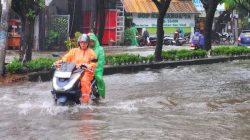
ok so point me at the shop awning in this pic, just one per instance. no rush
(147, 6)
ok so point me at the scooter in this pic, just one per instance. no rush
(67, 87)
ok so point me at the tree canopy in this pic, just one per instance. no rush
(27, 10)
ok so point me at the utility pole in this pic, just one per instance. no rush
(3, 32)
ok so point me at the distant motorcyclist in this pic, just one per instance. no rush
(83, 56)
(202, 42)
(95, 45)
(196, 39)
(145, 36)
(176, 37)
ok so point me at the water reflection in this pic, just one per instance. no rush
(87, 129)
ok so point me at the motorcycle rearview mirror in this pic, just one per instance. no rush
(55, 55)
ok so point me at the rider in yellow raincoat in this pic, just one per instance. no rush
(83, 55)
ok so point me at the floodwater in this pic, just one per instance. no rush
(210, 102)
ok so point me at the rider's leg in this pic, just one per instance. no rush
(85, 87)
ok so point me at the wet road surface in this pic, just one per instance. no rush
(210, 102)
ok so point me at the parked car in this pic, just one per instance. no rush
(244, 38)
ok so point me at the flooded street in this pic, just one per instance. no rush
(210, 102)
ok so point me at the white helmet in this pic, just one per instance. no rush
(83, 38)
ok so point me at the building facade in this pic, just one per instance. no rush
(180, 15)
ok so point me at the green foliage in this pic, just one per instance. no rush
(40, 64)
(126, 59)
(52, 37)
(60, 24)
(15, 66)
(28, 8)
(230, 51)
(128, 36)
(41, 4)
(183, 54)
(245, 23)
(31, 14)
(72, 43)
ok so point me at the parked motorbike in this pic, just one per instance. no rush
(195, 46)
(167, 40)
(66, 85)
(223, 38)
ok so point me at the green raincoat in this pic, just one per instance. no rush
(134, 33)
(100, 64)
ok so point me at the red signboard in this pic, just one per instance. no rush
(110, 25)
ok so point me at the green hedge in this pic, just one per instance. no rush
(34, 65)
(40, 64)
(125, 59)
(183, 54)
(230, 50)
(172, 55)
(14, 67)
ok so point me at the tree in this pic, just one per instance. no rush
(162, 6)
(243, 4)
(3, 32)
(224, 17)
(101, 18)
(75, 10)
(27, 10)
(210, 8)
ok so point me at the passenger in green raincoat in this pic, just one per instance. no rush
(95, 45)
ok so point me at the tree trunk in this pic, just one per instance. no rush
(42, 30)
(162, 7)
(75, 10)
(29, 34)
(3, 33)
(93, 17)
(160, 34)
(101, 19)
(208, 25)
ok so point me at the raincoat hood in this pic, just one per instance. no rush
(93, 37)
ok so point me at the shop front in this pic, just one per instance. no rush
(180, 15)
(172, 22)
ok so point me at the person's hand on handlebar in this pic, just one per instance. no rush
(58, 63)
(84, 66)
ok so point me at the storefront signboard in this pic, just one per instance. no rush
(170, 20)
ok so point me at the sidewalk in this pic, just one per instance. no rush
(143, 51)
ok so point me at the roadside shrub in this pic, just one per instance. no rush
(199, 53)
(230, 51)
(128, 36)
(169, 55)
(151, 58)
(40, 64)
(124, 59)
(15, 66)
(72, 43)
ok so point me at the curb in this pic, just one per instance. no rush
(108, 70)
